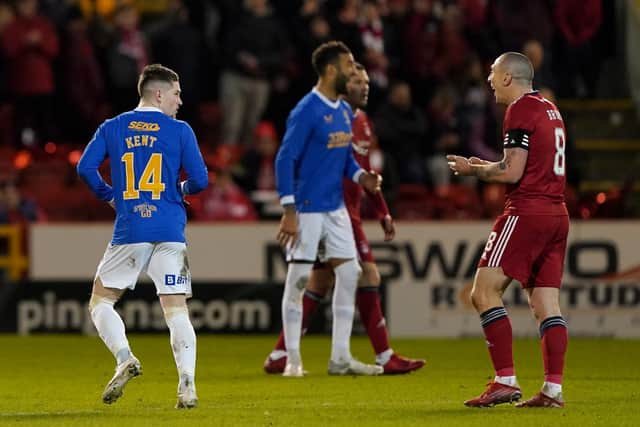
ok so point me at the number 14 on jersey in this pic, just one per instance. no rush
(150, 180)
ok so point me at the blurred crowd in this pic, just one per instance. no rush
(66, 65)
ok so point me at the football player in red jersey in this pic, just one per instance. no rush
(322, 279)
(529, 239)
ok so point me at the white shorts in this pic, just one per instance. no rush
(333, 229)
(165, 263)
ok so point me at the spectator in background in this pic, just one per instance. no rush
(444, 134)
(126, 57)
(375, 58)
(344, 26)
(84, 86)
(15, 208)
(310, 29)
(578, 22)
(394, 16)
(30, 43)
(6, 109)
(476, 26)
(542, 77)
(6, 17)
(222, 200)
(256, 171)
(175, 43)
(402, 131)
(518, 21)
(452, 48)
(421, 40)
(477, 114)
(256, 48)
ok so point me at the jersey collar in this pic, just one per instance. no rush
(533, 92)
(146, 109)
(333, 104)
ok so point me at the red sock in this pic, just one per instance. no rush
(554, 346)
(497, 330)
(368, 302)
(310, 302)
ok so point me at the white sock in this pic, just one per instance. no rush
(551, 389)
(344, 299)
(277, 354)
(383, 358)
(110, 327)
(294, 285)
(509, 380)
(183, 340)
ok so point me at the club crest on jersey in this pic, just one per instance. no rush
(328, 118)
(347, 120)
(145, 210)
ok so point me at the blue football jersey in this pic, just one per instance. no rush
(147, 150)
(316, 154)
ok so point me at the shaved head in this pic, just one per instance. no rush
(518, 65)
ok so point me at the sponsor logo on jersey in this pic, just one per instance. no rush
(151, 127)
(145, 210)
(339, 139)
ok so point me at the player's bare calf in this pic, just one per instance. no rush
(495, 394)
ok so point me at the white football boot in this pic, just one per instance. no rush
(293, 370)
(353, 367)
(124, 372)
(187, 397)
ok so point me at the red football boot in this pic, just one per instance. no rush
(541, 400)
(495, 394)
(401, 365)
(275, 366)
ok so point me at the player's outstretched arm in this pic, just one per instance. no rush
(509, 170)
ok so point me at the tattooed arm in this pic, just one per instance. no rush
(509, 170)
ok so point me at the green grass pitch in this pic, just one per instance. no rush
(58, 380)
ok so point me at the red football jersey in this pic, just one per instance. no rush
(362, 139)
(534, 123)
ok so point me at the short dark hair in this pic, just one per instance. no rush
(155, 73)
(519, 66)
(327, 53)
(360, 67)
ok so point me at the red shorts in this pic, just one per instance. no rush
(529, 248)
(362, 245)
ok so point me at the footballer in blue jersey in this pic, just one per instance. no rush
(147, 148)
(314, 157)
